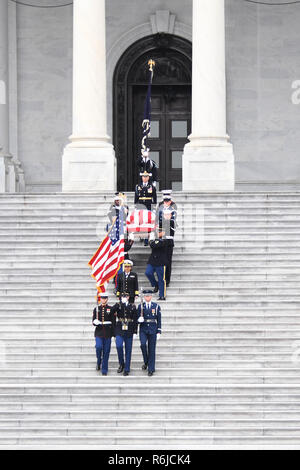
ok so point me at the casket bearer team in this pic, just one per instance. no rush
(128, 282)
(149, 320)
(126, 329)
(104, 320)
(145, 195)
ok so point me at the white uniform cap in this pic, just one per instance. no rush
(128, 262)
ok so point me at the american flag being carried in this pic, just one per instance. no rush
(110, 255)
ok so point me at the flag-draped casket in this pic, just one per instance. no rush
(140, 221)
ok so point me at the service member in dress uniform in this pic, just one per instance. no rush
(167, 201)
(126, 328)
(157, 263)
(167, 225)
(128, 282)
(115, 207)
(144, 163)
(145, 195)
(145, 192)
(149, 320)
(104, 320)
(166, 219)
(128, 242)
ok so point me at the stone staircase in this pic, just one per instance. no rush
(228, 371)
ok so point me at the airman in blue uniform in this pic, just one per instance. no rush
(149, 314)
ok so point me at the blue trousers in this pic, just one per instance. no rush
(161, 276)
(102, 352)
(148, 346)
(120, 340)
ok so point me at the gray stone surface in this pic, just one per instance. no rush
(262, 55)
(227, 369)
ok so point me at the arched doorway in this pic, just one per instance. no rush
(171, 107)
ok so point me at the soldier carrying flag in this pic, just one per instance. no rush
(144, 163)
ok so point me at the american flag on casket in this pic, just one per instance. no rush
(140, 221)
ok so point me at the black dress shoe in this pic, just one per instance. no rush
(121, 368)
(155, 289)
(97, 367)
(150, 374)
(104, 373)
(144, 367)
(161, 298)
(125, 373)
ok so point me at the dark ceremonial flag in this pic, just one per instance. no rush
(146, 125)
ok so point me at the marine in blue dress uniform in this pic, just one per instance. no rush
(150, 330)
(104, 321)
(126, 328)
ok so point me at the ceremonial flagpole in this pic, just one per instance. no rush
(146, 124)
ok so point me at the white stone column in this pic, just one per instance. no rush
(7, 170)
(89, 162)
(208, 160)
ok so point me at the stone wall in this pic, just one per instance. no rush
(262, 63)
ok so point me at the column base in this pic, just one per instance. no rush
(7, 174)
(208, 168)
(88, 169)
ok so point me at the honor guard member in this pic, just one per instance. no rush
(149, 314)
(127, 246)
(104, 321)
(168, 203)
(145, 192)
(146, 164)
(145, 195)
(118, 204)
(128, 282)
(126, 327)
(157, 263)
(167, 225)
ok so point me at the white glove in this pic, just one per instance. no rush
(158, 336)
(96, 322)
(135, 336)
(141, 320)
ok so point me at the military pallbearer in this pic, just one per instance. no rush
(150, 330)
(104, 321)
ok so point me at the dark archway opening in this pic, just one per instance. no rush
(171, 107)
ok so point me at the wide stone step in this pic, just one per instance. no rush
(176, 284)
(158, 379)
(200, 357)
(174, 370)
(165, 349)
(155, 413)
(235, 409)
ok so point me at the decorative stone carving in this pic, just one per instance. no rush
(162, 22)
